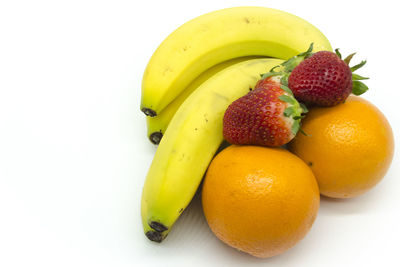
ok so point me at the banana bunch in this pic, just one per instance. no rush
(193, 76)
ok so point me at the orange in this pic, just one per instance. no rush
(259, 200)
(349, 147)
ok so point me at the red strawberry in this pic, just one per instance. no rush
(268, 116)
(324, 79)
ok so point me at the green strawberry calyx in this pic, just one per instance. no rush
(358, 87)
(294, 109)
(292, 62)
(285, 68)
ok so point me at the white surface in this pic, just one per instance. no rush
(74, 153)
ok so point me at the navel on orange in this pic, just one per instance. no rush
(259, 200)
(349, 147)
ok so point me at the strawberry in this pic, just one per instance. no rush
(324, 79)
(267, 116)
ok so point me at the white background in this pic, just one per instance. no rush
(74, 152)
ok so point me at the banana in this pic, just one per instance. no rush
(190, 141)
(157, 125)
(219, 36)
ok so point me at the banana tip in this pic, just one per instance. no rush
(149, 112)
(155, 137)
(154, 236)
(159, 227)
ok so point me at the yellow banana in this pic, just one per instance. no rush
(157, 125)
(190, 141)
(219, 36)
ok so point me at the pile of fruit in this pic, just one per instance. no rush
(268, 86)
